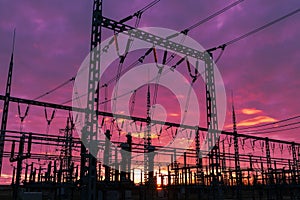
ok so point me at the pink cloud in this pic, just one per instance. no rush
(53, 39)
(250, 111)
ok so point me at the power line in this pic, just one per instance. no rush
(185, 31)
(139, 13)
(247, 35)
(221, 46)
(264, 132)
(253, 32)
(150, 5)
(56, 88)
(213, 15)
(121, 72)
(262, 27)
(131, 91)
(272, 123)
(271, 128)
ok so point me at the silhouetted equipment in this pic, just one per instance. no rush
(107, 155)
(6, 103)
(90, 131)
(260, 168)
(19, 159)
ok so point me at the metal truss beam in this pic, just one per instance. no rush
(151, 38)
(138, 119)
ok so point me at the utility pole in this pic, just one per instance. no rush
(212, 117)
(19, 159)
(90, 130)
(67, 150)
(269, 161)
(295, 164)
(199, 173)
(6, 103)
(212, 124)
(238, 176)
(107, 155)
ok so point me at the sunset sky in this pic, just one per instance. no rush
(53, 39)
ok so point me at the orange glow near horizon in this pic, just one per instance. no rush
(251, 111)
(256, 120)
(141, 134)
(174, 114)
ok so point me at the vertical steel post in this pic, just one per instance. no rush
(6, 103)
(295, 164)
(106, 156)
(212, 119)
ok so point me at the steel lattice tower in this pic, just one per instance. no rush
(212, 117)
(90, 130)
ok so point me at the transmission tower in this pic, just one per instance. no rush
(90, 130)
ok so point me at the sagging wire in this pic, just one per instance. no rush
(159, 73)
(262, 27)
(136, 127)
(222, 47)
(49, 120)
(167, 130)
(56, 88)
(253, 31)
(262, 144)
(132, 128)
(122, 95)
(249, 147)
(79, 103)
(156, 132)
(273, 148)
(174, 134)
(186, 107)
(185, 31)
(164, 61)
(121, 62)
(177, 64)
(102, 122)
(196, 74)
(160, 132)
(129, 44)
(105, 97)
(221, 53)
(289, 148)
(281, 148)
(190, 136)
(112, 125)
(174, 54)
(139, 13)
(119, 130)
(132, 105)
(194, 78)
(242, 141)
(252, 145)
(141, 60)
(22, 117)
